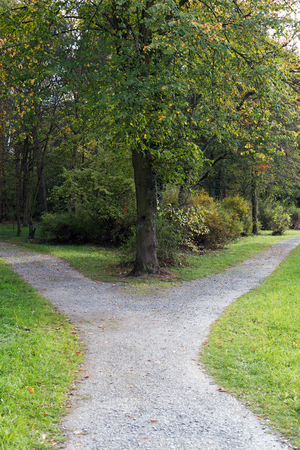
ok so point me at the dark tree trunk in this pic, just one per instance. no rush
(32, 193)
(25, 187)
(73, 196)
(254, 205)
(145, 187)
(42, 188)
(18, 191)
(31, 229)
(40, 173)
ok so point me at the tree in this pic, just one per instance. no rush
(156, 55)
(169, 78)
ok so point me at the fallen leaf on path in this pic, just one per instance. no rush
(153, 421)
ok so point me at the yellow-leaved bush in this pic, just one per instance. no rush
(202, 223)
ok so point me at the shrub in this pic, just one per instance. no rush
(294, 213)
(169, 239)
(170, 197)
(65, 228)
(281, 221)
(241, 207)
(203, 224)
(201, 199)
(276, 217)
(223, 223)
(105, 201)
(224, 226)
(62, 228)
(266, 210)
(177, 228)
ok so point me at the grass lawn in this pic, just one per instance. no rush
(254, 349)
(38, 358)
(105, 264)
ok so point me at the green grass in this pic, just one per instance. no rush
(254, 349)
(105, 264)
(215, 261)
(38, 358)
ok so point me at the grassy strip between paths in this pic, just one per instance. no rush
(254, 349)
(38, 358)
(105, 264)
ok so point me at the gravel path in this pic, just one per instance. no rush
(145, 389)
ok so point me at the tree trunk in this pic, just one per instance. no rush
(145, 186)
(40, 172)
(42, 188)
(73, 196)
(31, 229)
(18, 190)
(254, 205)
(25, 187)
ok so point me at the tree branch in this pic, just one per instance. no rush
(244, 98)
(207, 143)
(209, 170)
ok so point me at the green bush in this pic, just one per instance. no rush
(294, 213)
(241, 207)
(223, 223)
(281, 221)
(170, 197)
(276, 217)
(103, 190)
(224, 227)
(62, 228)
(203, 224)
(265, 214)
(65, 228)
(169, 238)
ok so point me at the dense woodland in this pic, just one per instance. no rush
(163, 125)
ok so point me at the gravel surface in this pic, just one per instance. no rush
(142, 387)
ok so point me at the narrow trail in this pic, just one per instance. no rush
(145, 389)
